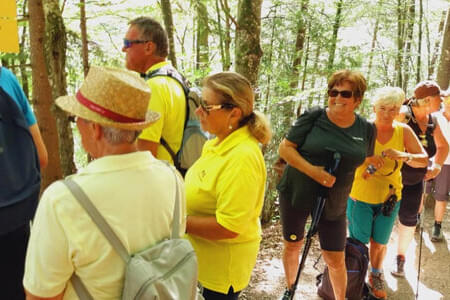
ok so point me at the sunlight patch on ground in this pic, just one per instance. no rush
(272, 269)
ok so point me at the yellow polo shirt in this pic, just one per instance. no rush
(168, 99)
(375, 189)
(134, 192)
(228, 182)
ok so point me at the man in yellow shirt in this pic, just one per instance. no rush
(133, 191)
(146, 48)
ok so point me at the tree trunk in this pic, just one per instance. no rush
(23, 57)
(227, 38)
(221, 37)
(443, 73)
(419, 44)
(269, 59)
(42, 92)
(55, 49)
(409, 39)
(248, 49)
(305, 67)
(168, 23)
(400, 41)
(299, 43)
(374, 41)
(84, 40)
(336, 26)
(434, 56)
(202, 49)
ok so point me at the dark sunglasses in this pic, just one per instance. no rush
(344, 94)
(129, 43)
(207, 108)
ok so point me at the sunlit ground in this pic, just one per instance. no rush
(434, 281)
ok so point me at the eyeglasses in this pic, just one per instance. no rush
(344, 94)
(207, 108)
(128, 43)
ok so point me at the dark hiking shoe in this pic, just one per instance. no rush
(287, 295)
(437, 235)
(399, 270)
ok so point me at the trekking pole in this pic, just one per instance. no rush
(422, 217)
(323, 193)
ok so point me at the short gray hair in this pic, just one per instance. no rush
(388, 95)
(116, 136)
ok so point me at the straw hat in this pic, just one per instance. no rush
(113, 98)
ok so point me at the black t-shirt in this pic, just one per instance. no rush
(317, 139)
(410, 175)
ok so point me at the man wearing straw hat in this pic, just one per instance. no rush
(146, 48)
(132, 190)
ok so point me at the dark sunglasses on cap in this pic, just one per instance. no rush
(128, 43)
(344, 94)
(207, 108)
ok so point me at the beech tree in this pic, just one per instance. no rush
(248, 49)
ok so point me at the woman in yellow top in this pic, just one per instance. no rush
(225, 186)
(370, 217)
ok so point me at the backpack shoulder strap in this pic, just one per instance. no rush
(97, 218)
(171, 72)
(176, 209)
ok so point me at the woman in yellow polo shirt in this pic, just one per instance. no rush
(372, 206)
(225, 187)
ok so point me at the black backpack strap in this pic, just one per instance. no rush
(171, 72)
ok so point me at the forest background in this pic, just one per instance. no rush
(286, 48)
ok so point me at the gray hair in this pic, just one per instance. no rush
(388, 96)
(151, 30)
(116, 136)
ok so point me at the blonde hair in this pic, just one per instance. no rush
(388, 96)
(235, 89)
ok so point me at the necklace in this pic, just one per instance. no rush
(423, 134)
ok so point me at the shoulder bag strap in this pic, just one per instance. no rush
(176, 209)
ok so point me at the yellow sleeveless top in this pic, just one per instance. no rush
(375, 189)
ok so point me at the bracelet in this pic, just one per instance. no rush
(410, 158)
(437, 166)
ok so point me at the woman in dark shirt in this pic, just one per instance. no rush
(417, 115)
(308, 147)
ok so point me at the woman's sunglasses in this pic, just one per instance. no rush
(207, 108)
(344, 94)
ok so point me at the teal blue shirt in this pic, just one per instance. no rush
(11, 86)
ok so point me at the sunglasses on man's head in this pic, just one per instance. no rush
(344, 94)
(207, 108)
(128, 43)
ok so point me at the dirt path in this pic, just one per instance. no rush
(268, 278)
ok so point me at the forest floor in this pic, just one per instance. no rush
(267, 281)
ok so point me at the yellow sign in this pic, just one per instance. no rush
(9, 36)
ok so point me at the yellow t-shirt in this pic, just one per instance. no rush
(134, 192)
(375, 189)
(169, 100)
(228, 182)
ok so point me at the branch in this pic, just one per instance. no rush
(226, 9)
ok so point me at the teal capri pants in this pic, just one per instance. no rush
(366, 221)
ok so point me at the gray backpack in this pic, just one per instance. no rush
(168, 270)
